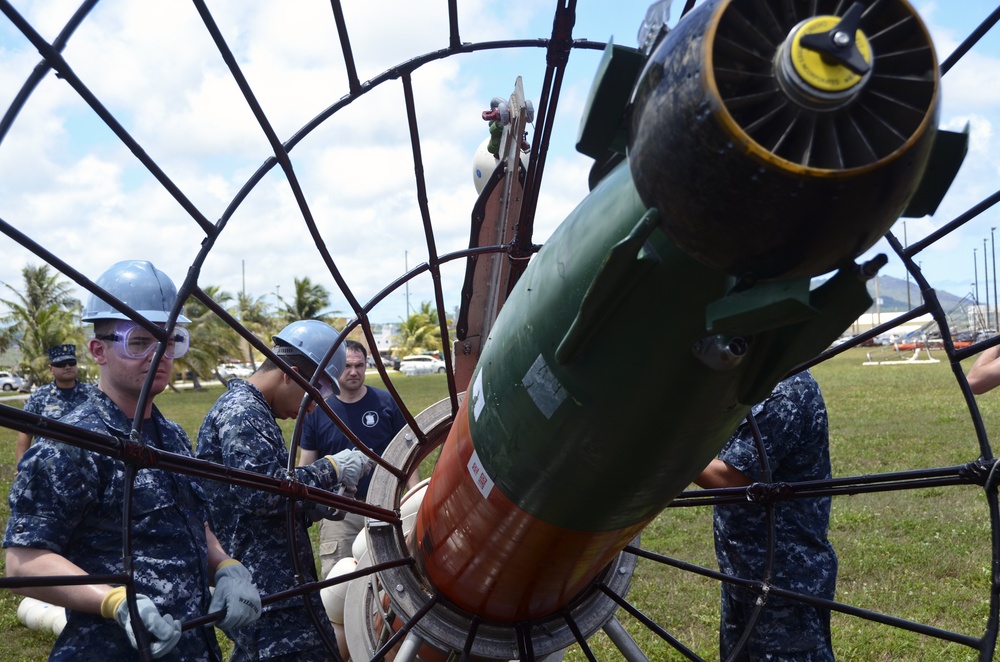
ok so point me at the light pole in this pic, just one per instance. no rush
(996, 308)
(920, 268)
(406, 268)
(975, 273)
(986, 284)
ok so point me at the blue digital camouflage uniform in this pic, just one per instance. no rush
(54, 402)
(240, 432)
(374, 419)
(793, 426)
(69, 500)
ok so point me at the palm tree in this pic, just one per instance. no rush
(212, 340)
(420, 330)
(44, 314)
(309, 303)
(255, 315)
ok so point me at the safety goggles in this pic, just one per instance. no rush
(64, 364)
(134, 342)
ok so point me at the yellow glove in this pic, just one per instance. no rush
(164, 630)
(235, 592)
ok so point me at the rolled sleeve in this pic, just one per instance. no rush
(49, 496)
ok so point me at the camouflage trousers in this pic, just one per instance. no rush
(785, 631)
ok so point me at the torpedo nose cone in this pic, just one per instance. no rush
(788, 155)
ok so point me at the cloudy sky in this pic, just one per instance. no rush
(70, 184)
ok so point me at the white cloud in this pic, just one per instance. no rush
(69, 183)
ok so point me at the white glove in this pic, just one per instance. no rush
(164, 630)
(235, 592)
(351, 465)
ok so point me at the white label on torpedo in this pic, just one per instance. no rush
(479, 475)
(478, 401)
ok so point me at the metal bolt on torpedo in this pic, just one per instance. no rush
(734, 169)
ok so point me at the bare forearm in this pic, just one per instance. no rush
(985, 372)
(719, 474)
(30, 562)
(216, 554)
(23, 444)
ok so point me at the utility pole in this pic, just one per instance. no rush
(406, 268)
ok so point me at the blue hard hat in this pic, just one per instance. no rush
(145, 289)
(314, 339)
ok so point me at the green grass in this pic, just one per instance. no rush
(921, 555)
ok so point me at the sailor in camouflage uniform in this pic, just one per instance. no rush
(241, 431)
(793, 425)
(61, 396)
(66, 504)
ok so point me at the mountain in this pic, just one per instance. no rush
(892, 295)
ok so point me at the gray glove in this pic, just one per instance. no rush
(352, 465)
(235, 592)
(164, 630)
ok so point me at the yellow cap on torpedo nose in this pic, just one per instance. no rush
(822, 72)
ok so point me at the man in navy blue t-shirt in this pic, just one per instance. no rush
(373, 416)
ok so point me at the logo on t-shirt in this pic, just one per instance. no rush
(370, 419)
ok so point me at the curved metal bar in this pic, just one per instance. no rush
(559, 45)
(970, 41)
(954, 224)
(759, 587)
(43, 67)
(425, 216)
(652, 625)
(56, 61)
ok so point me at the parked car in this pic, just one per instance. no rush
(423, 364)
(390, 362)
(11, 382)
(841, 340)
(234, 370)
